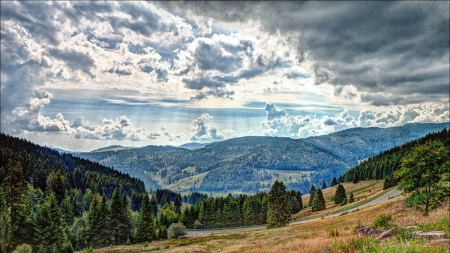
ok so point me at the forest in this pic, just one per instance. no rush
(384, 164)
(59, 203)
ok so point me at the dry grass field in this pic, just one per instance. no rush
(309, 237)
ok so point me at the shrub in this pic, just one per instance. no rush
(24, 248)
(382, 221)
(88, 249)
(197, 224)
(334, 233)
(176, 230)
(351, 198)
(344, 202)
(128, 242)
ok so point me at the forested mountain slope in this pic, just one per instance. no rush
(36, 163)
(249, 164)
(384, 164)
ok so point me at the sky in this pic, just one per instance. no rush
(85, 75)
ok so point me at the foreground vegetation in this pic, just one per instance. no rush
(316, 236)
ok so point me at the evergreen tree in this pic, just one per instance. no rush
(177, 204)
(126, 218)
(352, 198)
(318, 202)
(55, 184)
(340, 194)
(278, 213)
(154, 206)
(98, 232)
(333, 182)
(145, 224)
(15, 218)
(312, 192)
(324, 185)
(79, 233)
(50, 227)
(67, 211)
(116, 217)
(136, 201)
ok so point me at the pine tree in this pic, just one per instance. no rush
(126, 218)
(340, 194)
(318, 202)
(98, 235)
(136, 201)
(324, 185)
(67, 211)
(17, 225)
(333, 182)
(312, 192)
(55, 184)
(278, 213)
(145, 225)
(154, 206)
(50, 232)
(116, 217)
(352, 198)
(177, 204)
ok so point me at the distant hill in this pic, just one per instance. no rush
(193, 145)
(111, 148)
(250, 164)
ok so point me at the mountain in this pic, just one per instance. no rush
(193, 145)
(250, 164)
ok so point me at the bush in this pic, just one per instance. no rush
(176, 230)
(24, 248)
(88, 249)
(382, 221)
(128, 242)
(198, 225)
(334, 233)
(162, 233)
(344, 202)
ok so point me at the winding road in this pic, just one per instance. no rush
(199, 232)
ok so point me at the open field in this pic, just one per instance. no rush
(182, 186)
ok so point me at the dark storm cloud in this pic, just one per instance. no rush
(373, 46)
(74, 60)
(36, 17)
(210, 57)
(202, 82)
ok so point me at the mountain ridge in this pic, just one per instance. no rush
(251, 163)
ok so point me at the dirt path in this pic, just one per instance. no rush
(198, 232)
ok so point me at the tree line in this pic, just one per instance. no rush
(383, 165)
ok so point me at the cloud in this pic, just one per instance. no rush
(394, 48)
(119, 129)
(204, 132)
(282, 124)
(74, 60)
